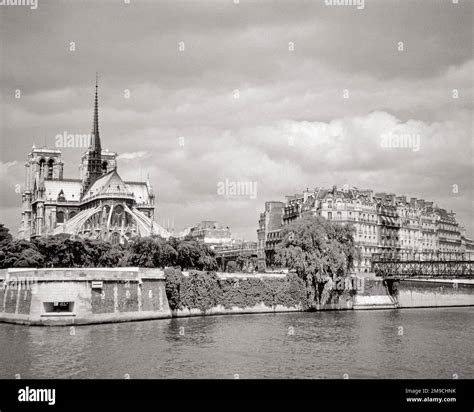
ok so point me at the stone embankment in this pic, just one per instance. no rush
(85, 296)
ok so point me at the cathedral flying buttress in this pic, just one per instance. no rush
(98, 205)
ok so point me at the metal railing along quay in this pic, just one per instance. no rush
(427, 265)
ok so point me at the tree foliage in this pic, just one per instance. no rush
(64, 251)
(150, 252)
(195, 255)
(231, 266)
(20, 253)
(4, 233)
(318, 251)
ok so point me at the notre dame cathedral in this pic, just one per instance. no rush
(98, 205)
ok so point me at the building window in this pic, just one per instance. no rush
(50, 168)
(115, 238)
(42, 164)
(59, 217)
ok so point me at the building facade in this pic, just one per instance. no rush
(268, 232)
(209, 232)
(98, 204)
(383, 223)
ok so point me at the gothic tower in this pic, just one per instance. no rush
(42, 164)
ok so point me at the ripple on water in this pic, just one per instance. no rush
(435, 344)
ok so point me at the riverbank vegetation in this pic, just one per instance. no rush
(204, 290)
(320, 252)
(64, 251)
(317, 252)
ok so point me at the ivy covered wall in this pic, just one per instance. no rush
(204, 290)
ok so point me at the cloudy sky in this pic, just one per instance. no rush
(286, 94)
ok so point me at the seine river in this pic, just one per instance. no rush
(421, 343)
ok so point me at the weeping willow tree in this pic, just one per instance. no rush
(319, 251)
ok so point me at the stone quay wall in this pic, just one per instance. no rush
(431, 293)
(82, 296)
(101, 295)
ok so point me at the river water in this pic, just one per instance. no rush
(411, 343)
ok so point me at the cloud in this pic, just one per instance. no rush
(343, 151)
(132, 155)
(288, 128)
(4, 167)
(11, 176)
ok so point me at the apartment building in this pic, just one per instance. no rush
(383, 222)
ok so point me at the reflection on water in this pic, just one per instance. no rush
(422, 343)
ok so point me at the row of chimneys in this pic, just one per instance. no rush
(389, 198)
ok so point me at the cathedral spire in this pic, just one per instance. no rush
(95, 127)
(94, 155)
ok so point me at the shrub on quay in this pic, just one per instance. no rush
(173, 285)
(204, 290)
(200, 290)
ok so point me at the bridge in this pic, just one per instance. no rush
(224, 255)
(424, 265)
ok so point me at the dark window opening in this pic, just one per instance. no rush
(60, 217)
(58, 307)
(50, 168)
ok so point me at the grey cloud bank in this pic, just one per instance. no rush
(284, 97)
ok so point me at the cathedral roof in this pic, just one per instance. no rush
(110, 183)
(71, 189)
(140, 191)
